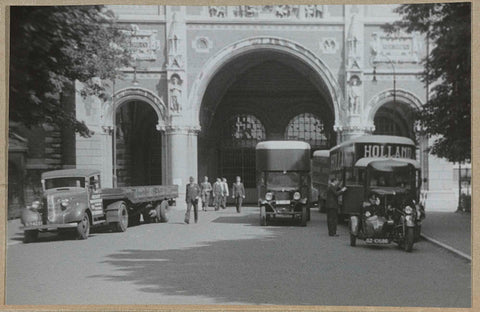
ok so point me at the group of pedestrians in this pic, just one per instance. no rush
(219, 191)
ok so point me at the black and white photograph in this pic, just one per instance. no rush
(239, 155)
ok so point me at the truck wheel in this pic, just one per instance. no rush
(83, 227)
(263, 216)
(122, 224)
(30, 236)
(304, 217)
(353, 240)
(161, 213)
(409, 237)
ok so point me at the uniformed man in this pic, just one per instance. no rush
(206, 189)
(333, 192)
(192, 196)
(217, 194)
(238, 193)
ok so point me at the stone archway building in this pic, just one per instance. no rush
(215, 71)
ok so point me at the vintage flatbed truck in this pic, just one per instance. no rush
(73, 200)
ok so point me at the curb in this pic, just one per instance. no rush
(447, 247)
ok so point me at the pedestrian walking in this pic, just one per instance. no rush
(238, 193)
(206, 188)
(225, 193)
(217, 194)
(333, 193)
(192, 196)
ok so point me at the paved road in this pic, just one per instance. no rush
(227, 258)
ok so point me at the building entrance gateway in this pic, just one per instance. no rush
(263, 95)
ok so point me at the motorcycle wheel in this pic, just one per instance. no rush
(409, 238)
(353, 240)
(263, 216)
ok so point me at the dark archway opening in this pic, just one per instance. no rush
(263, 95)
(395, 119)
(138, 145)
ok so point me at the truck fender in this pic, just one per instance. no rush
(76, 214)
(354, 225)
(112, 212)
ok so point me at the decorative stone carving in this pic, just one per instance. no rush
(314, 11)
(354, 95)
(175, 51)
(202, 44)
(217, 11)
(175, 93)
(144, 43)
(354, 42)
(329, 45)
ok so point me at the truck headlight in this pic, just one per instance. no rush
(296, 195)
(408, 210)
(64, 203)
(367, 214)
(268, 196)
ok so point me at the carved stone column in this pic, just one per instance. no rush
(181, 157)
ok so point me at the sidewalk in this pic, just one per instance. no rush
(450, 228)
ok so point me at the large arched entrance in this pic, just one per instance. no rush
(260, 95)
(138, 145)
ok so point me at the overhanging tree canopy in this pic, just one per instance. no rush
(51, 47)
(447, 69)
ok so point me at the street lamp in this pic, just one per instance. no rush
(374, 79)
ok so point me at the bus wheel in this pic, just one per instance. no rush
(304, 217)
(263, 216)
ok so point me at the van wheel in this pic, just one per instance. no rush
(308, 214)
(30, 236)
(353, 240)
(83, 227)
(304, 217)
(122, 224)
(409, 238)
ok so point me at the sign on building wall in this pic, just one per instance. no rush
(403, 48)
(144, 44)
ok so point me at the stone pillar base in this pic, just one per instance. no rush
(441, 201)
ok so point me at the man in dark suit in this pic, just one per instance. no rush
(238, 193)
(333, 192)
(191, 197)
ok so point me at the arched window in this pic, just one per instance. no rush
(309, 128)
(240, 134)
(243, 131)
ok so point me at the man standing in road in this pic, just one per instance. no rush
(225, 193)
(217, 194)
(206, 189)
(238, 193)
(192, 196)
(333, 192)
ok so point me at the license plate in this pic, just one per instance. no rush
(34, 223)
(283, 202)
(376, 240)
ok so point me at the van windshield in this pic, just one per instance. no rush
(283, 180)
(64, 182)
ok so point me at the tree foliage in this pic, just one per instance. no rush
(447, 114)
(53, 46)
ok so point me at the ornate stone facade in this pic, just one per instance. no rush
(191, 60)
